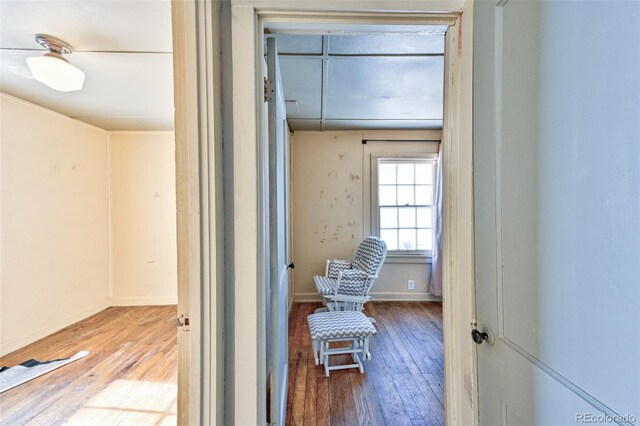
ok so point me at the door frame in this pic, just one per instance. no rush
(249, 344)
(214, 381)
(199, 208)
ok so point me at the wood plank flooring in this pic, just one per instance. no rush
(403, 384)
(130, 376)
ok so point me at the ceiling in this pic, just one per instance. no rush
(344, 80)
(363, 81)
(124, 48)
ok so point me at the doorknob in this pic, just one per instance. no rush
(481, 336)
(291, 266)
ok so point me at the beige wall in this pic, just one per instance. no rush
(331, 206)
(54, 234)
(143, 218)
(88, 219)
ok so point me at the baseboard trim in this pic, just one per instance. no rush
(144, 301)
(55, 326)
(405, 297)
(380, 297)
(306, 297)
(290, 304)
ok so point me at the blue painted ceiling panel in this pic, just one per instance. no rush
(302, 82)
(386, 44)
(385, 88)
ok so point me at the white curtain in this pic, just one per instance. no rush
(435, 286)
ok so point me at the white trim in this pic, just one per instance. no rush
(291, 302)
(248, 400)
(407, 259)
(144, 301)
(197, 99)
(458, 243)
(28, 338)
(377, 297)
(399, 157)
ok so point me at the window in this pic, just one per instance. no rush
(403, 213)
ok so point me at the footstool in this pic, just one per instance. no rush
(340, 326)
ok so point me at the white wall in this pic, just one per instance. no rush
(332, 206)
(54, 233)
(143, 218)
(88, 219)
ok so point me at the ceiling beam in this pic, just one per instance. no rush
(87, 51)
(358, 55)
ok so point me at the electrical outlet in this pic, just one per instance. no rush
(411, 284)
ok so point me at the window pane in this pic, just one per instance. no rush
(425, 239)
(405, 195)
(425, 217)
(407, 239)
(407, 218)
(386, 173)
(390, 237)
(424, 194)
(387, 195)
(405, 173)
(388, 217)
(424, 173)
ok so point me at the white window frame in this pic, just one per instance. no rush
(398, 256)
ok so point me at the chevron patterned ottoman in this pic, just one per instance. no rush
(340, 326)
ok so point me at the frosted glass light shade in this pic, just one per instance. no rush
(56, 72)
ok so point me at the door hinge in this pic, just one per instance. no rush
(269, 90)
(183, 321)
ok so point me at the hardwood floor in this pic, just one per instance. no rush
(403, 384)
(130, 376)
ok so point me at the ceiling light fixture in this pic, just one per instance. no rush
(52, 69)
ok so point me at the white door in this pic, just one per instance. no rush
(278, 276)
(557, 210)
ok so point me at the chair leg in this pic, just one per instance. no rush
(355, 344)
(365, 350)
(314, 344)
(359, 362)
(326, 359)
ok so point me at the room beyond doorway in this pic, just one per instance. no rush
(364, 116)
(249, 151)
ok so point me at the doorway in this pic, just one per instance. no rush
(247, 57)
(363, 123)
(238, 360)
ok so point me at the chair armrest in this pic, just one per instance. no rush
(345, 298)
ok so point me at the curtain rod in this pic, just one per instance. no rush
(364, 141)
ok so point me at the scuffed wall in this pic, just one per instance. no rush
(55, 222)
(80, 206)
(331, 206)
